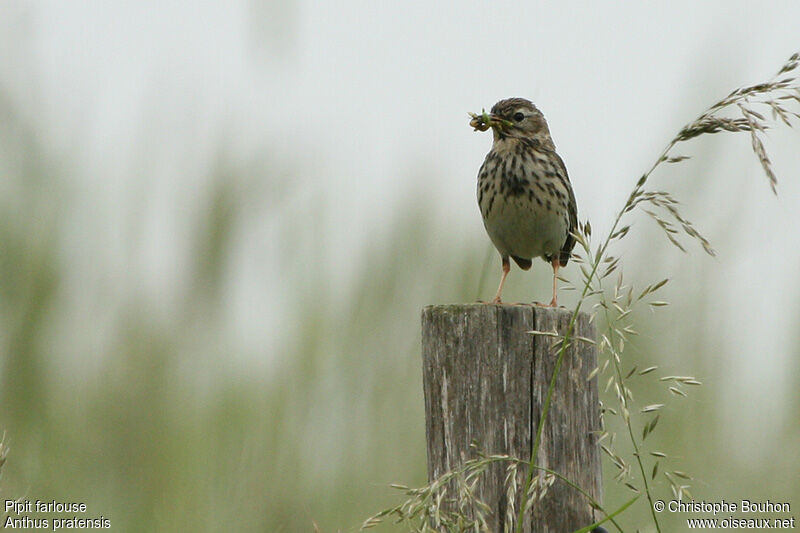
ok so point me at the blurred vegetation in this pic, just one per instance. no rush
(157, 437)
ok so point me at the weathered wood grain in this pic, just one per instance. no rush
(485, 379)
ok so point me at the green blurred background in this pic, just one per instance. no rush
(218, 225)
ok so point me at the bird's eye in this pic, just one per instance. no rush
(518, 116)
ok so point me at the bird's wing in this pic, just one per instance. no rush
(572, 212)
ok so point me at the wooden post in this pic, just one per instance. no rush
(486, 378)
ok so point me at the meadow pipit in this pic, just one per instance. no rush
(524, 193)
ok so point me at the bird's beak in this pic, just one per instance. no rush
(485, 120)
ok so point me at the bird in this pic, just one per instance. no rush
(524, 193)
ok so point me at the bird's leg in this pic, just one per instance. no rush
(556, 264)
(506, 268)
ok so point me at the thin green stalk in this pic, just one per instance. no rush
(549, 397)
(597, 261)
(570, 327)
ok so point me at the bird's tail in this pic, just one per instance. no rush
(524, 264)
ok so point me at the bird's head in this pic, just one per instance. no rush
(513, 117)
